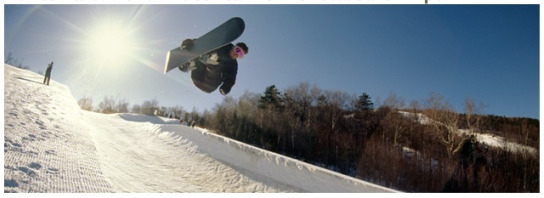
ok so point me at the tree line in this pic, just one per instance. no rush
(16, 62)
(110, 105)
(414, 146)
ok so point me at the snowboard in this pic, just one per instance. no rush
(216, 38)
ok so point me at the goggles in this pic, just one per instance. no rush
(239, 51)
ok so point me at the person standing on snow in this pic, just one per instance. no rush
(48, 73)
(216, 68)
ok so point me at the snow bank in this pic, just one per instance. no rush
(147, 118)
(266, 166)
(53, 146)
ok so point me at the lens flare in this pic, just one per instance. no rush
(111, 44)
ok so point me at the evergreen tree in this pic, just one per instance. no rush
(364, 103)
(271, 97)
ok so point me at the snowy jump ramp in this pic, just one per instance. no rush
(51, 145)
(269, 167)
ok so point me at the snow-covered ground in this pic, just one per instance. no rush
(50, 145)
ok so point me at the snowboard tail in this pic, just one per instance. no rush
(216, 38)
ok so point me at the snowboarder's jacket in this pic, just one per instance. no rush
(49, 68)
(207, 77)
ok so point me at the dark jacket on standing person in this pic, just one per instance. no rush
(48, 74)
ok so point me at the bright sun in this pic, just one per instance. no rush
(110, 44)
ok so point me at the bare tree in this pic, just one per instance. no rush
(415, 108)
(473, 115)
(149, 107)
(297, 103)
(444, 121)
(394, 121)
(16, 62)
(107, 105)
(122, 106)
(176, 111)
(86, 103)
(136, 108)
(300, 98)
(331, 105)
(9, 58)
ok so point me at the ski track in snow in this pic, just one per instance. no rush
(50, 145)
(47, 148)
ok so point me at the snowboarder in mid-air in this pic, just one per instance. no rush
(211, 58)
(216, 68)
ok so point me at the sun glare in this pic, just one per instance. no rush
(111, 44)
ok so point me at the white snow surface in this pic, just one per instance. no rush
(51, 145)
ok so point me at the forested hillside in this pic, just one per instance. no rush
(425, 146)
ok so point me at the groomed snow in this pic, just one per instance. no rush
(50, 145)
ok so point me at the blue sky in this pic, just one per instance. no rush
(487, 52)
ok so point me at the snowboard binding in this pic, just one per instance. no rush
(187, 44)
(188, 66)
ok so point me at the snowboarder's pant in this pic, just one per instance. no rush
(46, 79)
(202, 80)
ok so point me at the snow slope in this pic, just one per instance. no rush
(50, 145)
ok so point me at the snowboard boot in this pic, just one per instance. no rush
(188, 66)
(187, 44)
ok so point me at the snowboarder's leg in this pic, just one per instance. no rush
(199, 73)
(46, 78)
(199, 79)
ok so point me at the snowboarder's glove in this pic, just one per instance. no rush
(223, 90)
(210, 59)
